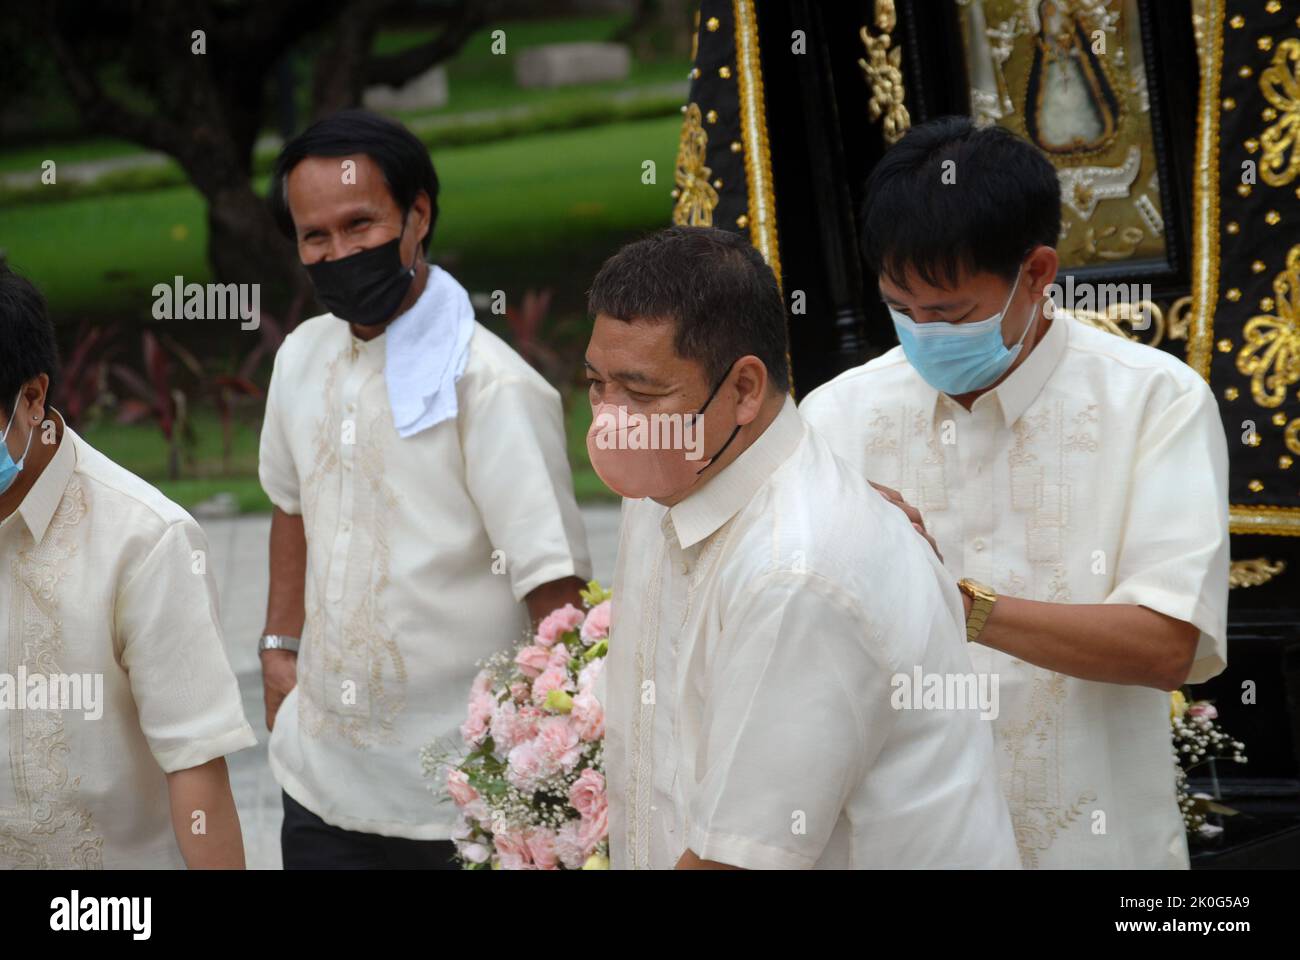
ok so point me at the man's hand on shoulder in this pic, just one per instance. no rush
(912, 514)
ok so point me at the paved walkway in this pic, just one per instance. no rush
(239, 560)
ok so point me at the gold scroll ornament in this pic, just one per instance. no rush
(883, 69)
(696, 197)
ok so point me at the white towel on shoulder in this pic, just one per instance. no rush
(426, 352)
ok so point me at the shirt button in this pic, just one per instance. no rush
(978, 545)
(352, 408)
(684, 567)
(345, 526)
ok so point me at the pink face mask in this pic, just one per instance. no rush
(638, 455)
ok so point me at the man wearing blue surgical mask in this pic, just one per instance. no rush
(1074, 482)
(104, 617)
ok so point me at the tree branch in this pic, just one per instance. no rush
(97, 108)
(395, 69)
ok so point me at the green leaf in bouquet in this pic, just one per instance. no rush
(559, 701)
(596, 650)
(594, 594)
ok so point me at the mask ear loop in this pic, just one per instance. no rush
(8, 426)
(1033, 317)
(713, 459)
(13, 415)
(409, 271)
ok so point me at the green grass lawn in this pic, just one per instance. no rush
(534, 211)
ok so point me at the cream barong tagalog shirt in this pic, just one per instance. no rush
(1095, 473)
(419, 553)
(105, 586)
(758, 629)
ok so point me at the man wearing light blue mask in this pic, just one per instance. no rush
(116, 698)
(963, 357)
(1074, 482)
(10, 468)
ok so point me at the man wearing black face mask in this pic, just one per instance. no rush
(424, 504)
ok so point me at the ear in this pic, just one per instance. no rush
(421, 214)
(751, 385)
(1040, 269)
(36, 392)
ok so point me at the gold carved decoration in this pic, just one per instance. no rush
(696, 198)
(883, 69)
(1270, 355)
(1140, 315)
(1253, 573)
(1280, 84)
(1179, 318)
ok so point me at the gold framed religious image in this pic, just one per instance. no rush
(1075, 78)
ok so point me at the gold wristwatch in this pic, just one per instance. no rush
(982, 600)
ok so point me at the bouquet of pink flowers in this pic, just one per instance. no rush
(528, 780)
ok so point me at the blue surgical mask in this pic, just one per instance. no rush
(959, 358)
(8, 469)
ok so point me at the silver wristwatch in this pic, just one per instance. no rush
(277, 641)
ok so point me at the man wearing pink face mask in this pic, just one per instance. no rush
(769, 607)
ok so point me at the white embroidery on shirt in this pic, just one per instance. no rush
(50, 828)
(353, 675)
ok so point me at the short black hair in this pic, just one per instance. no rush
(399, 154)
(950, 196)
(713, 284)
(27, 344)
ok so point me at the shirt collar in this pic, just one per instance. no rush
(1014, 394)
(1026, 382)
(703, 512)
(37, 508)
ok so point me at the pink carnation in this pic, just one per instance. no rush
(540, 842)
(596, 626)
(524, 765)
(568, 845)
(533, 659)
(512, 851)
(588, 716)
(520, 691)
(513, 725)
(559, 657)
(592, 832)
(1203, 710)
(552, 678)
(558, 622)
(589, 674)
(479, 714)
(558, 743)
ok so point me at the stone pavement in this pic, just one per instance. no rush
(239, 561)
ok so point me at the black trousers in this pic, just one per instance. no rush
(309, 843)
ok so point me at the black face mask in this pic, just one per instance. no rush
(366, 287)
